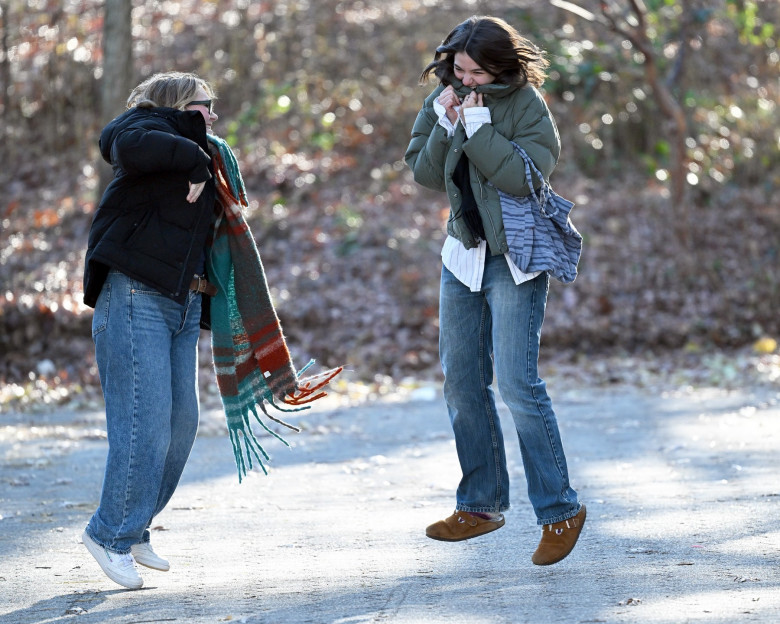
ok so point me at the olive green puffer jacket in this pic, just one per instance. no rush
(518, 116)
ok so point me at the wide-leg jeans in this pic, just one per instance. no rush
(500, 326)
(146, 352)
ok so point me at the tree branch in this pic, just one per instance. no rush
(576, 10)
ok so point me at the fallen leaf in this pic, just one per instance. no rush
(630, 602)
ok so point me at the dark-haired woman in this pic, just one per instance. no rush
(490, 312)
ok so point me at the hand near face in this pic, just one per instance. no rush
(471, 100)
(449, 100)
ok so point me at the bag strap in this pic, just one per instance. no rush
(546, 190)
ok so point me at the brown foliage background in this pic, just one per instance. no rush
(318, 99)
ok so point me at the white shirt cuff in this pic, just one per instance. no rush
(476, 117)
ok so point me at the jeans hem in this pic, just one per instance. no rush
(482, 509)
(102, 545)
(561, 517)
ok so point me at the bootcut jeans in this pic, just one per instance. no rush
(146, 352)
(500, 326)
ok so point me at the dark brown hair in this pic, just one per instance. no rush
(496, 47)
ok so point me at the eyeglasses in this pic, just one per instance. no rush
(207, 103)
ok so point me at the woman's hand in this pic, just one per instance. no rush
(449, 100)
(471, 100)
(195, 191)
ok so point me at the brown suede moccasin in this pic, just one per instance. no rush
(558, 539)
(462, 526)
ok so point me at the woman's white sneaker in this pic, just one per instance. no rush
(143, 554)
(120, 568)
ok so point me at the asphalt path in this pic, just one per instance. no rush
(682, 489)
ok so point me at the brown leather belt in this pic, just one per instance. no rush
(199, 284)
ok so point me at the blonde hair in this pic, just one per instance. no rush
(170, 89)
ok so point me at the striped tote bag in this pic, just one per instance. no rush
(539, 231)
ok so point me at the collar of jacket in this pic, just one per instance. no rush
(189, 123)
(492, 89)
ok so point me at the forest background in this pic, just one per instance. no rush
(668, 118)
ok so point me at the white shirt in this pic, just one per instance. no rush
(468, 265)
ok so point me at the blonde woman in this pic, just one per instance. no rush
(145, 277)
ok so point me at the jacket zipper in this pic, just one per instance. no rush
(182, 276)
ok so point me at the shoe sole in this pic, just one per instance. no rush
(462, 539)
(94, 550)
(152, 566)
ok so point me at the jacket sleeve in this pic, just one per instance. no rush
(495, 157)
(141, 151)
(428, 148)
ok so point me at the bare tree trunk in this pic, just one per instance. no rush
(635, 30)
(117, 68)
(670, 107)
(7, 116)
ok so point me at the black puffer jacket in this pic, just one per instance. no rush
(144, 226)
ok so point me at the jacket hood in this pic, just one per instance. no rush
(170, 119)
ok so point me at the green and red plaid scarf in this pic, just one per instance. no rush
(252, 362)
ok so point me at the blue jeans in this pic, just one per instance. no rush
(501, 326)
(146, 351)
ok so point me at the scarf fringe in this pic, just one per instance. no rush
(306, 389)
(251, 447)
(309, 364)
(251, 444)
(270, 400)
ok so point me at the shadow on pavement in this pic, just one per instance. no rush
(682, 495)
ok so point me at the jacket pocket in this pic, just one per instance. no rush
(137, 228)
